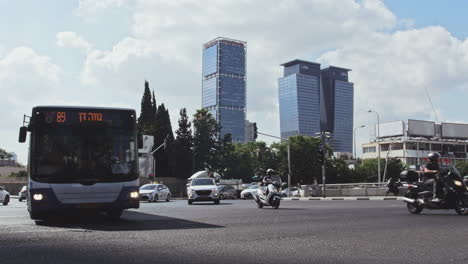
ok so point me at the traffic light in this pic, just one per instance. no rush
(255, 131)
(321, 156)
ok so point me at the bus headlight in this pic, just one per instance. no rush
(38, 197)
(134, 195)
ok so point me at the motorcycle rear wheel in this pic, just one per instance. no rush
(414, 208)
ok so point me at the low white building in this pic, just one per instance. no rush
(412, 142)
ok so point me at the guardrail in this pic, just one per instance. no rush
(346, 189)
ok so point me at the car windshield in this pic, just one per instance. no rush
(148, 187)
(203, 182)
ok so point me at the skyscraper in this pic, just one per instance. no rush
(299, 98)
(224, 84)
(337, 108)
(313, 100)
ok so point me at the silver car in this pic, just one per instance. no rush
(227, 192)
(248, 193)
(294, 192)
(23, 193)
(4, 196)
(154, 193)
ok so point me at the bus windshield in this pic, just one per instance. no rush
(70, 147)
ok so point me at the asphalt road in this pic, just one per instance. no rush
(238, 232)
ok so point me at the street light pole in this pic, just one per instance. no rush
(378, 145)
(355, 150)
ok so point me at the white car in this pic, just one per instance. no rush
(249, 192)
(294, 192)
(4, 196)
(154, 193)
(202, 190)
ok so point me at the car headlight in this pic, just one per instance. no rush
(38, 197)
(134, 195)
(458, 183)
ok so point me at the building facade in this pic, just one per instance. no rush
(224, 85)
(337, 105)
(313, 100)
(299, 98)
(249, 131)
(412, 141)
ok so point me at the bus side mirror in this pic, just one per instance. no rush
(22, 134)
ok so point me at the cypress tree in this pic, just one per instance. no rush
(146, 118)
(163, 130)
(183, 147)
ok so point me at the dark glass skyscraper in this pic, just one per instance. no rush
(313, 100)
(299, 98)
(337, 108)
(224, 82)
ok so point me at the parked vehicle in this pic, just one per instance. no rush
(154, 193)
(23, 193)
(294, 192)
(202, 190)
(269, 195)
(227, 192)
(248, 193)
(453, 192)
(4, 196)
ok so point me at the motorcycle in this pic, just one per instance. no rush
(451, 187)
(269, 195)
(392, 187)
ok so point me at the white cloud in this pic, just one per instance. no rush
(91, 7)
(72, 40)
(26, 79)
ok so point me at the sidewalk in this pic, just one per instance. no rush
(348, 198)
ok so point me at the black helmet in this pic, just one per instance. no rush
(433, 156)
(270, 172)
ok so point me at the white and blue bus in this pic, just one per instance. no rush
(81, 158)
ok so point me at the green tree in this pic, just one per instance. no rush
(147, 115)
(183, 147)
(165, 163)
(462, 167)
(205, 138)
(4, 154)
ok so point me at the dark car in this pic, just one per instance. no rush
(227, 192)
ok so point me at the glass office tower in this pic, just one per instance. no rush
(313, 100)
(337, 108)
(224, 84)
(299, 98)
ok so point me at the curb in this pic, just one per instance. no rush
(377, 198)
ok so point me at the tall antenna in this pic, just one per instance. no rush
(430, 101)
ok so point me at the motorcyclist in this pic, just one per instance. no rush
(267, 179)
(430, 173)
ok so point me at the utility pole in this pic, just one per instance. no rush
(323, 151)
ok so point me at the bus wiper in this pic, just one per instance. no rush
(87, 181)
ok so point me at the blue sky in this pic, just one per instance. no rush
(449, 14)
(89, 52)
